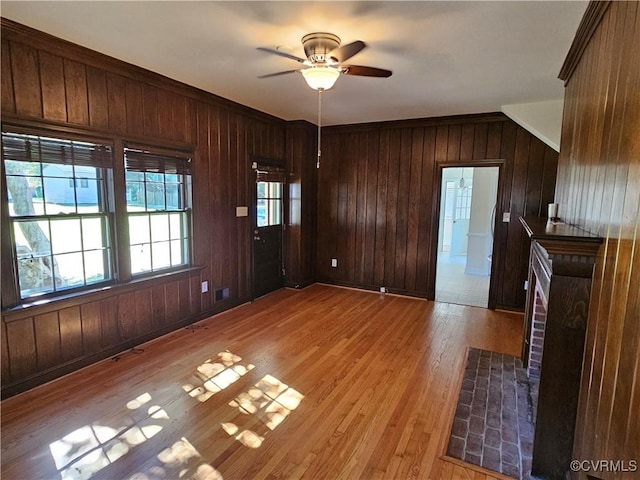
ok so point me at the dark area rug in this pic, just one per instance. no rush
(493, 423)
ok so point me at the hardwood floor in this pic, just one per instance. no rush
(318, 383)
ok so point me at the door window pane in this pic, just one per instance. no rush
(268, 203)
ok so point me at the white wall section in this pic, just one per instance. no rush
(542, 119)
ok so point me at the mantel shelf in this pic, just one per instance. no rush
(561, 238)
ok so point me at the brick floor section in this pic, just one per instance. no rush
(493, 423)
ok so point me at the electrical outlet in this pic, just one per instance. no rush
(383, 290)
(334, 262)
(526, 284)
(204, 287)
(506, 217)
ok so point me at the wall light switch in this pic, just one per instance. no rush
(334, 262)
(506, 217)
(204, 287)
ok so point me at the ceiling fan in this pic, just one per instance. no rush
(325, 60)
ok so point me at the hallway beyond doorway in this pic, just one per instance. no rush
(454, 286)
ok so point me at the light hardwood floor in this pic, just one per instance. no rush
(320, 383)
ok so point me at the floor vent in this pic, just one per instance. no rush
(222, 294)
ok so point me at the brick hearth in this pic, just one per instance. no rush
(493, 423)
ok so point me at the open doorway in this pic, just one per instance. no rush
(465, 234)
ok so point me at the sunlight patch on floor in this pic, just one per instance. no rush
(213, 376)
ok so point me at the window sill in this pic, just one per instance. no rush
(38, 307)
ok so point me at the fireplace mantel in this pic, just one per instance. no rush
(560, 271)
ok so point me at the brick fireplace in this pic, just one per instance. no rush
(536, 339)
(560, 270)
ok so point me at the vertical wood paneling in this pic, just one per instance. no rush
(178, 105)
(134, 107)
(185, 298)
(22, 348)
(143, 321)
(7, 98)
(424, 269)
(91, 328)
(598, 187)
(150, 111)
(172, 302)
(348, 257)
(109, 321)
(371, 166)
(329, 171)
(194, 297)
(242, 194)
(232, 225)
(127, 315)
(467, 142)
(158, 313)
(117, 104)
(47, 334)
(402, 208)
(54, 105)
(393, 187)
(5, 369)
(75, 84)
(453, 143)
(216, 184)
(403, 172)
(224, 227)
(165, 114)
(26, 80)
(97, 97)
(413, 209)
(70, 333)
(361, 208)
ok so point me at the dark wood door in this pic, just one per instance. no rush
(268, 272)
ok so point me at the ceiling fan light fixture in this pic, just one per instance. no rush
(320, 77)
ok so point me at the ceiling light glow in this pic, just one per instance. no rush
(320, 77)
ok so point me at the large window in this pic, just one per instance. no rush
(63, 214)
(57, 197)
(158, 195)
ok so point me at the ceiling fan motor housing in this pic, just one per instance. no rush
(317, 45)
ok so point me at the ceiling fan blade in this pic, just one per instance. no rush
(278, 73)
(282, 54)
(345, 52)
(365, 71)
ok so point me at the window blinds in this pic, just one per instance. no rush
(142, 159)
(33, 148)
(266, 173)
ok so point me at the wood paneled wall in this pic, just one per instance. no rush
(45, 79)
(300, 234)
(378, 195)
(598, 188)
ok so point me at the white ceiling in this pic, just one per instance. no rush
(447, 58)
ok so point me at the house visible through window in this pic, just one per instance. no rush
(57, 198)
(64, 218)
(158, 205)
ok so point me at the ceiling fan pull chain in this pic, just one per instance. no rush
(319, 123)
